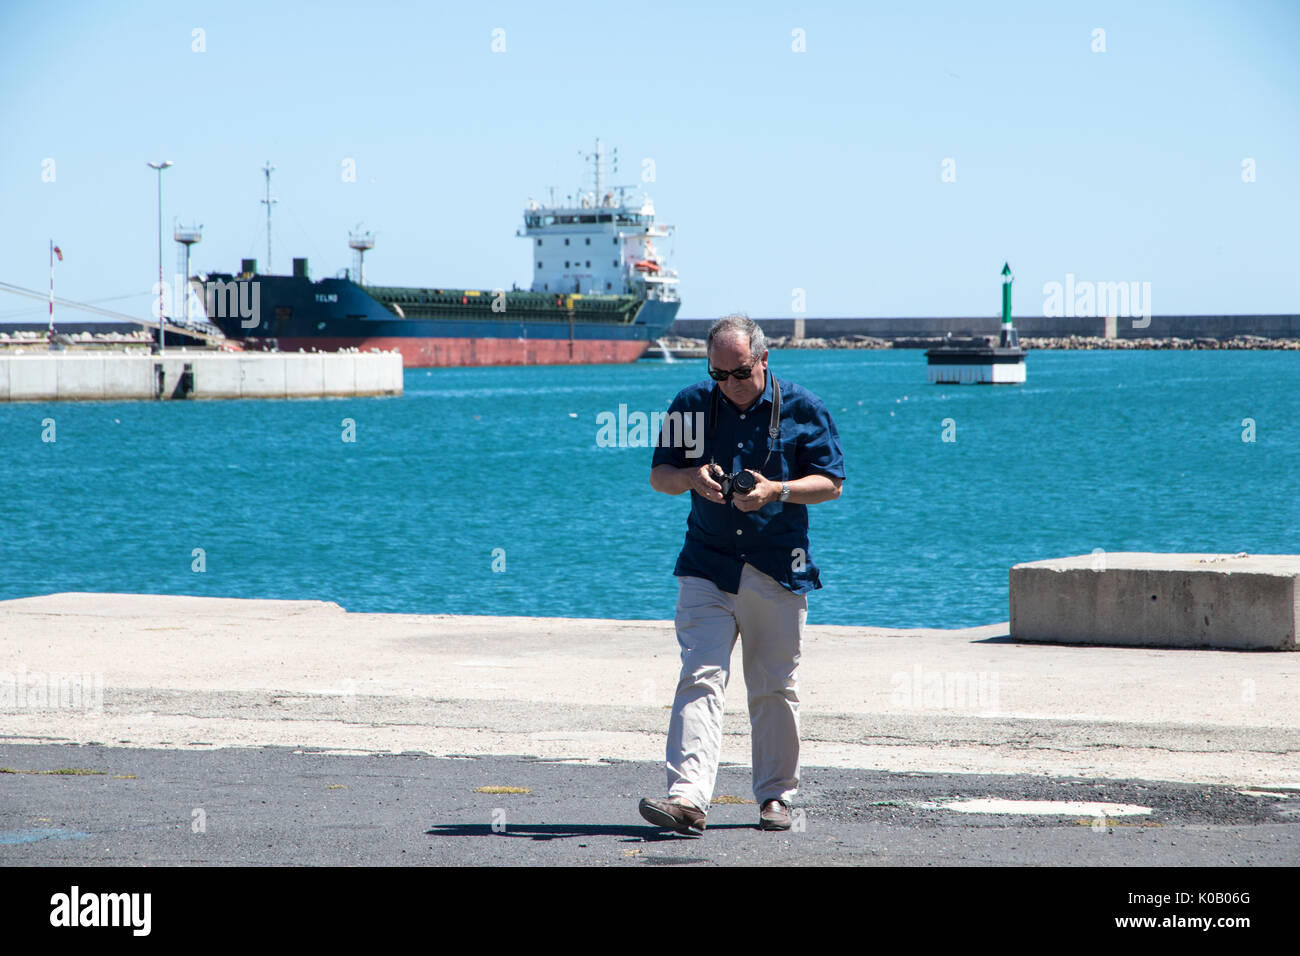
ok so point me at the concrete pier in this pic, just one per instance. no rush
(1159, 600)
(178, 374)
(199, 673)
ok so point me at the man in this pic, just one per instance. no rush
(744, 570)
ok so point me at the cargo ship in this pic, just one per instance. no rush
(601, 292)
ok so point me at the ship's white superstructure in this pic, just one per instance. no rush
(599, 243)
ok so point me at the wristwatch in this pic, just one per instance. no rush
(785, 491)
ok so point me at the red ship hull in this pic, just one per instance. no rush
(446, 352)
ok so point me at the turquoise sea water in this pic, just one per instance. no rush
(1115, 450)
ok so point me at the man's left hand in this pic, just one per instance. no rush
(764, 493)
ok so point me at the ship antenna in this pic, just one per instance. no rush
(598, 162)
(268, 201)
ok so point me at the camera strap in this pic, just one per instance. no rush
(773, 428)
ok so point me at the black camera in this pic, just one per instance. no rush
(741, 481)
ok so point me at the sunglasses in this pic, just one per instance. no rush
(742, 373)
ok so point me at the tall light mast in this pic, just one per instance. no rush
(162, 307)
(269, 202)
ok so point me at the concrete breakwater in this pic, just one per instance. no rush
(1236, 342)
(1033, 326)
(680, 347)
(181, 374)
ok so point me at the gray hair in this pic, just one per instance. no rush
(739, 324)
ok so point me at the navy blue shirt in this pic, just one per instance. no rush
(720, 538)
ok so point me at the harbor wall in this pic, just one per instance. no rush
(1124, 327)
(86, 376)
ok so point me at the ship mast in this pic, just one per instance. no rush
(598, 162)
(268, 201)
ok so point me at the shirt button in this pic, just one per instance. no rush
(738, 531)
(740, 444)
(742, 418)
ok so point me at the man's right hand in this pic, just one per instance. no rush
(672, 480)
(702, 482)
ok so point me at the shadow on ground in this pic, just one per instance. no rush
(559, 831)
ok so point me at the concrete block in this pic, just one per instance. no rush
(394, 372)
(80, 378)
(370, 373)
(339, 370)
(33, 378)
(217, 376)
(304, 375)
(4, 378)
(1159, 600)
(261, 375)
(128, 377)
(379, 373)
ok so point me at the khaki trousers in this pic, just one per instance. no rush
(769, 621)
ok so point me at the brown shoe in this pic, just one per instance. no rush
(675, 813)
(775, 815)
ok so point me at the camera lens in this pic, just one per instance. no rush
(743, 482)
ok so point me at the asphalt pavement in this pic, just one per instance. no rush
(121, 806)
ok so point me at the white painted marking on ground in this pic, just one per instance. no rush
(1266, 793)
(482, 663)
(1042, 808)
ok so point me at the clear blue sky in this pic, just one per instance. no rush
(818, 170)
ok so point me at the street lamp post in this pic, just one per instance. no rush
(162, 335)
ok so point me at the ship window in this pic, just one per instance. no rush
(606, 285)
(615, 263)
(589, 240)
(539, 265)
(588, 263)
(546, 287)
(616, 240)
(566, 263)
(566, 242)
(539, 242)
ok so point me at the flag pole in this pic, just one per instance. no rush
(51, 336)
